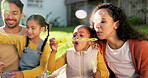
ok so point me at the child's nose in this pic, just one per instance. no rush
(77, 37)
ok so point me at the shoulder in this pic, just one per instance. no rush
(2, 29)
(138, 48)
(23, 27)
(70, 50)
(137, 43)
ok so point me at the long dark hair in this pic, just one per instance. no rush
(41, 21)
(125, 31)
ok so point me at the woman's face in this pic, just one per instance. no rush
(81, 33)
(104, 24)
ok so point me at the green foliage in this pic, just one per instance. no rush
(143, 28)
(60, 33)
(134, 20)
(53, 21)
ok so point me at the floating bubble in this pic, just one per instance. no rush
(81, 14)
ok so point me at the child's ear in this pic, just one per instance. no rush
(43, 28)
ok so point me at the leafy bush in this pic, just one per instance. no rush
(53, 21)
(134, 20)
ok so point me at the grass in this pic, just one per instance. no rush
(60, 33)
(66, 32)
(143, 28)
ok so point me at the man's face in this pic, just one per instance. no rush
(12, 15)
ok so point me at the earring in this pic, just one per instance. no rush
(116, 27)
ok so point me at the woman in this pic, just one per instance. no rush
(125, 49)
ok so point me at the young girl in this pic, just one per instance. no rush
(125, 49)
(33, 51)
(81, 59)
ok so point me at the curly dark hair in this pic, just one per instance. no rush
(125, 31)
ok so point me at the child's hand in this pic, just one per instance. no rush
(53, 45)
(16, 75)
(97, 74)
(52, 76)
(1, 67)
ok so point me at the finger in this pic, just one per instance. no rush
(12, 73)
(52, 76)
(2, 64)
(52, 39)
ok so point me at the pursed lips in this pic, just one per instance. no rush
(98, 32)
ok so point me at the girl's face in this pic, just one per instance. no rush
(81, 33)
(33, 29)
(104, 24)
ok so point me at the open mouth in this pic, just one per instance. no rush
(76, 43)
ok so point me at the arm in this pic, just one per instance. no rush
(9, 39)
(101, 66)
(54, 64)
(140, 52)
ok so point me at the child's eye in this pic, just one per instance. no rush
(81, 35)
(74, 35)
(33, 28)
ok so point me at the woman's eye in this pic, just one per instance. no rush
(102, 21)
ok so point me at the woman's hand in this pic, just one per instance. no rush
(16, 75)
(97, 74)
(53, 45)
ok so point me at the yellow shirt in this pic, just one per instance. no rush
(9, 54)
(20, 42)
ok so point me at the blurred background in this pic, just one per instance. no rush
(62, 12)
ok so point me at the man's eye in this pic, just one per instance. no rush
(15, 13)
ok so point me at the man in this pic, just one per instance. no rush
(12, 14)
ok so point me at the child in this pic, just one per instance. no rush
(81, 59)
(33, 51)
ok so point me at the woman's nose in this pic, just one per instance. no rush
(97, 25)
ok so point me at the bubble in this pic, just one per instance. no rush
(81, 14)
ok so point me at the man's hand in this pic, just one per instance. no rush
(1, 67)
(16, 75)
